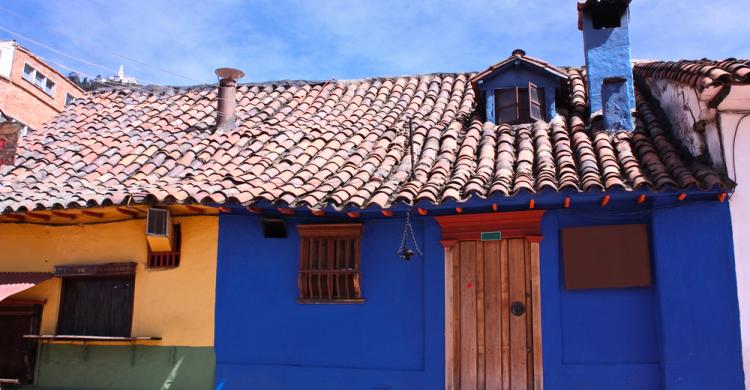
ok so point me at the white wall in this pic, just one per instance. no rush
(722, 135)
(7, 51)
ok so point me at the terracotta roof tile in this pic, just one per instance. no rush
(338, 143)
(698, 73)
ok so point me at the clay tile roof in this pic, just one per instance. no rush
(697, 73)
(336, 143)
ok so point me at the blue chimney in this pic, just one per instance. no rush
(606, 42)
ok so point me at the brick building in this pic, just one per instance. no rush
(31, 91)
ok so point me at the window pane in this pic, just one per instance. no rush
(506, 105)
(28, 72)
(523, 102)
(39, 79)
(69, 99)
(49, 87)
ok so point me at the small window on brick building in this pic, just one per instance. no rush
(28, 73)
(329, 266)
(69, 99)
(166, 260)
(519, 105)
(49, 87)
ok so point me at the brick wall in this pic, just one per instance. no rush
(25, 101)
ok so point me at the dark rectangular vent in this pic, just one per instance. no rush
(108, 269)
(273, 228)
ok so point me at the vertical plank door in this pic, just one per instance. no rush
(490, 316)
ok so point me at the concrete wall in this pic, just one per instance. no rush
(175, 304)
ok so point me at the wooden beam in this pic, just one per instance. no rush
(195, 209)
(387, 213)
(41, 216)
(532, 204)
(604, 201)
(318, 213)
(94, 214)
(131, 213)
(353, 214)
(225, 210)
(641, 199)
(722, 197)
(17, 217)
(64, 215)
(494, 207)
(566, 202)
(459, 210)
(681, 197)
(286, 211)
(254, 210)
(422, 211)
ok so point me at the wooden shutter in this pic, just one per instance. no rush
(613, 256)
(535, 105)
(329, 266)
(96, 306)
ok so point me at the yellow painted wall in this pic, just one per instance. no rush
(175, 304)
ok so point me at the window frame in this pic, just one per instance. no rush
(315, 281)
(526, 100)
(39, 79)
(69, 99)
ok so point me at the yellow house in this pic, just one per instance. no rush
(101, 310)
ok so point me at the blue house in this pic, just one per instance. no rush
(560, 238)
(527, 226)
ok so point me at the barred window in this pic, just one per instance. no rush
(329, 267)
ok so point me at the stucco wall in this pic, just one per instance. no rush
(682, 333)
(175, 304)
(738, 167)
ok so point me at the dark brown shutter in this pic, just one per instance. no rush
(96, 306)
(613, 256)
(535, 106)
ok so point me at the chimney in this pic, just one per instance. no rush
(227, 100)
(606, 43)
(9, 132)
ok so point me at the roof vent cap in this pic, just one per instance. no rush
(227, 99)
(519, 52)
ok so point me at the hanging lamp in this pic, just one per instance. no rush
(405, 252)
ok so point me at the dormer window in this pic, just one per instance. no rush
(519, 105)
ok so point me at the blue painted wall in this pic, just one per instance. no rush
(266, 340)
(519, 75)
(607, 53)
(681, 333)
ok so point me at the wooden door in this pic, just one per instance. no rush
(17, 355)
(492, 335)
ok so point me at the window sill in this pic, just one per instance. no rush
(330, 301)
(100, 339)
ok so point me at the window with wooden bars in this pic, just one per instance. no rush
(166, 260)
(329, 266)
(519, 105)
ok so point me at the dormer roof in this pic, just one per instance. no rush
(520, 56)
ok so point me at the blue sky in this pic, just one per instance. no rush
(183, 42)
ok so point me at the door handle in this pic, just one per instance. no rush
(517, 308)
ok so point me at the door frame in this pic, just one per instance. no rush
(515, 224)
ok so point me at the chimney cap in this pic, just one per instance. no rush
(518, 52)
(229, 73)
